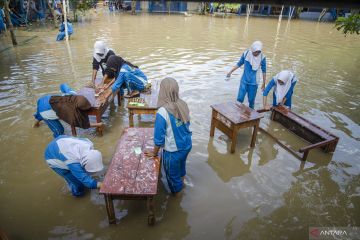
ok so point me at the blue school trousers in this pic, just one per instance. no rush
(174, 164)
(250, 90)
(76, 187)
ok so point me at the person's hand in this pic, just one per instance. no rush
(228, 75)
(99, 185)
(263, 86)
(36, 124)
(267, 107)
(149, 154)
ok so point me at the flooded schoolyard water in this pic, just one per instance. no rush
(259, 193)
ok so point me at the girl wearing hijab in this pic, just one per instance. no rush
(69, 107)
(100, 56)
(73, 159)
(283, 84)
(172, 133)
(113, 68)
(61, 35)
(134, 80)
(252, 59)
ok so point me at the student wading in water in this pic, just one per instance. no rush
(131, 78)
(283, 84)
(172, 133)
(69, 107)
(252, 59)
(100, 57)
(74, 159)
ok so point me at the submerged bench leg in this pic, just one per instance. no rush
(131, 118)
(212, 128)
(233, 139)
(110, 208)
(99, 130)
(305, 155)
(119, 98)
(151, 210)
(254, 135)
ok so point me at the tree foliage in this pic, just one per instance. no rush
(81, 5)
(349, 25)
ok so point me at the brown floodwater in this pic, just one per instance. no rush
(259, 193)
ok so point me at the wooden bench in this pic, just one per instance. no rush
(131, 175)
(230, 117)
(310, 132)
(150, 105)
(99, 104)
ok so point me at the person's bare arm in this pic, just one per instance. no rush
(265, 102)
(36, 124)
(94, 76)
(231, 71)
(264, 81)
(106, 78)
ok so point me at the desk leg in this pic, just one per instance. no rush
(98, 120)
(110, 209)
(305, 155)
(254, 135)
(73, 130)
(151, 210)
(212, 128)
(233, 138)
(131, 118)
(119, 98)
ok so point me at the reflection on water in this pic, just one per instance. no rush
(258, 193)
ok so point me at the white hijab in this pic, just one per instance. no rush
(92, 161)
(281, 90)
(100, 47)
(254, 61)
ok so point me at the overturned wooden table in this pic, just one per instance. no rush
(149, 107)
(99, 104)
(305, 129)
(230, 117)
(131, 175)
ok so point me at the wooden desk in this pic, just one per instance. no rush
(150, 104)
(230, 117)
(310, 132)
(132, 176)
(98, 104)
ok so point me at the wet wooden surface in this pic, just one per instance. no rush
(236, 112)
(97, 100)
(150, 99)
(302, 122)
(150, 105)
(318, 137)
(230, 117)
(131, 173)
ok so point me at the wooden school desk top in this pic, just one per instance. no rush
(97, 100)
(304, 123)
(131, 173)
(150, 99)
(236, 112)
